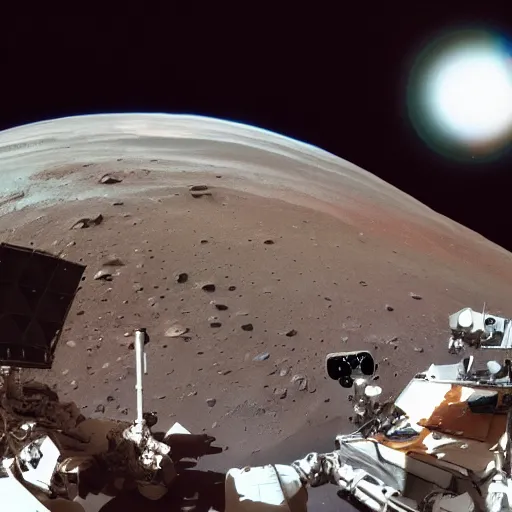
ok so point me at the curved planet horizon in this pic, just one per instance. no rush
(249, 257)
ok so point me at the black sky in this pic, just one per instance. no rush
(333, 77)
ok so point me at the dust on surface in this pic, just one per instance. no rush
(290, 285)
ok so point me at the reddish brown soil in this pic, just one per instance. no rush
(326, 279)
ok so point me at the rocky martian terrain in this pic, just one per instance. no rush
(248, 257)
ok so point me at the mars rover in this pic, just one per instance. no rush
(442, 445)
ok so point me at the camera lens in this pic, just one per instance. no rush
(338, 367)
(367, 364)
(346, 382)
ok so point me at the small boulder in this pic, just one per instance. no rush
(108, 179)
(103, 275)
(88, 222)
(261, 357)
(284, 372)
(281, 392)
(175, 331)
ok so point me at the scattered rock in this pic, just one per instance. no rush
(108, 179)
(224, 372)
(74, 384)
(113, 261)
(311, 385)
(215, 325)
(198, 188)
(232, 288)
(221, 307)
(65, 372)
(261, 357)
(214, 424)
(389, 308)
(291, 333)
(182, 277)
(419, 350)
(209, 287)
(204, 241)
(304, 383)
(284, 372)
(281, 392)
(301, 379)
(105, 365)
(110, 398)
(247, 327)
(71, 343)
(210, 402)
(175, 331)
(124, 411)
(269, 242)
(118, 203)
(138, 287)
(415, 296)
(363, 283)
(103, 275)
(197, 195)
(242, 313)
(100, 408)
(344, 339)
(88, 222)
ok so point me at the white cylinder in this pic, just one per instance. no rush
(139, 369)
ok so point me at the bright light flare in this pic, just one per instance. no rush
(472, 95)
(459, 95)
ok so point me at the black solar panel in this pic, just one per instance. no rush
(36, 293)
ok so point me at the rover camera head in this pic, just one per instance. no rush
(345, 367)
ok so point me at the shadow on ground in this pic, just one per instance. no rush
(201, 490)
